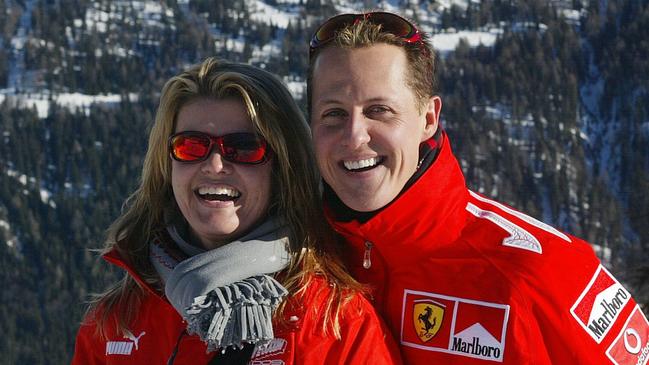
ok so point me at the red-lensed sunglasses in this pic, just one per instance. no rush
(390, 23)
(241, 148)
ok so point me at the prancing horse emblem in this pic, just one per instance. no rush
(427, 317)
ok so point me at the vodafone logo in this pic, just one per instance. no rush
(600, 304)
(632, 349)
(631, 346)
(458, 326)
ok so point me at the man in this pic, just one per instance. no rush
(459, 278)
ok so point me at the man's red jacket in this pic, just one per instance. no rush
(462, 279)
(156, 334)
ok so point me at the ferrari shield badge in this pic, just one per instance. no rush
(427, 316)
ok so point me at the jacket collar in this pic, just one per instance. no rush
(434, 206)
(114, 257)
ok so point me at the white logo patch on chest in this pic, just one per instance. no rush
(124, 347)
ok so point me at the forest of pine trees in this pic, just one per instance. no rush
(516, 111)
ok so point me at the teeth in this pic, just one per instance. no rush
(219, 191)
(355, 165)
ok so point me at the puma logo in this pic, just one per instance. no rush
(124, 347)
(136, 340)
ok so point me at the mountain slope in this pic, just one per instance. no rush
(546, 104)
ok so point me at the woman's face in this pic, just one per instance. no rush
(220, 200)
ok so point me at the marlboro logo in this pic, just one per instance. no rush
(459, 326)
(600, 304)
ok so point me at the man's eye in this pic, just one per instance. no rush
(377, 109)
(333, 114)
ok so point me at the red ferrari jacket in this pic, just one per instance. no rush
(462, 279)
(159, 331)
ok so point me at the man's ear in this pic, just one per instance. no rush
(432, 110)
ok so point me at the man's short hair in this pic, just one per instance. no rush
(364, 33)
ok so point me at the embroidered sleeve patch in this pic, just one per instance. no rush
(600, 304)
(631, 347)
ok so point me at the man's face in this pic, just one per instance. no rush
(366, 123)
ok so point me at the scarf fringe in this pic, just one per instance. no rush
(237, 313)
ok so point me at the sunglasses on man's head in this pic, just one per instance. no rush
(389, 22)
(241, 148)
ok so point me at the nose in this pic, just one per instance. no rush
(356, 132)
(215, 164)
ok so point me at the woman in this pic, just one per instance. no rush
(229, 259)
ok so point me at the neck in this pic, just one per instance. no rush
(206, 244)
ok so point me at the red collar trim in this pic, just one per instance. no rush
(115, 258)
(434, 206)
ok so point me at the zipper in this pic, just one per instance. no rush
(172, 358)
(367, 260)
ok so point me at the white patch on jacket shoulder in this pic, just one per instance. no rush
(524, 217)
(518, 237)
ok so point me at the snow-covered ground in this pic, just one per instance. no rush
(261, 12)
(75, 102)
(446, 42)
(150, 13)
(100, 15)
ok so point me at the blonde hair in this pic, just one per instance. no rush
(420, 75)
(295, 181)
